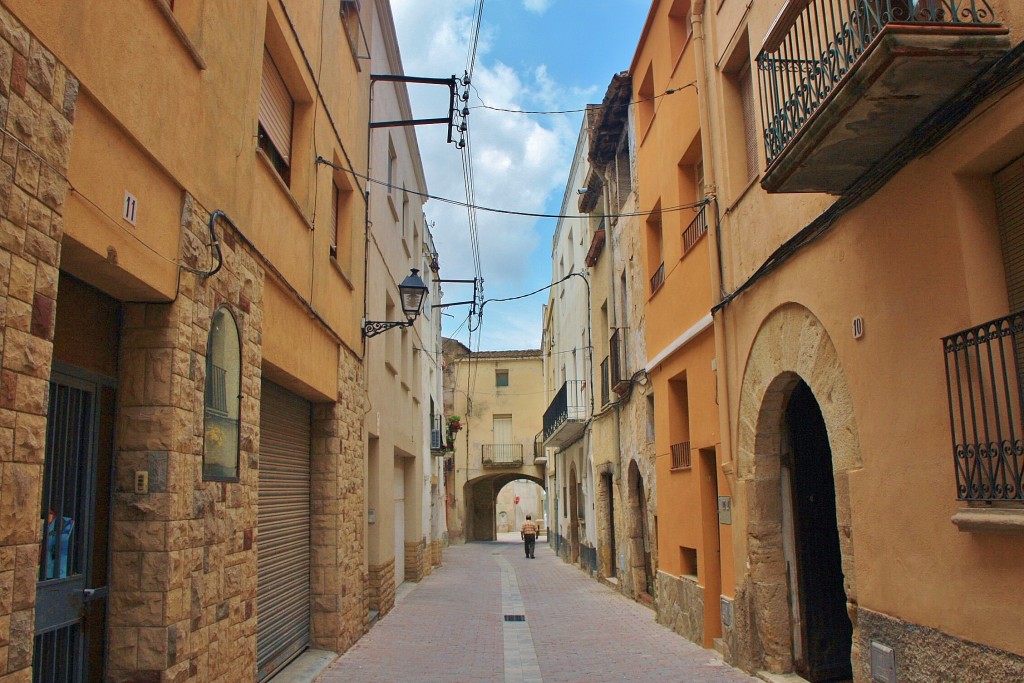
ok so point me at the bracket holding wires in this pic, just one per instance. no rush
(458, 109)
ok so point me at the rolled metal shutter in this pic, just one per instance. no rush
(283, 538)
(276, 108)
(1009, 190)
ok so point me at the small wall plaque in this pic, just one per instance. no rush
(726, 612)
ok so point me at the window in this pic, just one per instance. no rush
(392, 158)
(679, 26)
(645, 102)
(749, 125)
(740, 123)
(222, 402)
(655, 249)
(335, 201)
(650, 417)
(353, 28)
(341, 218)
(501, 378)
(275, 118)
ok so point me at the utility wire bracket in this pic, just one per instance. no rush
(456, 118)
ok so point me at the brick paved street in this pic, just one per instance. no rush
(451, 627)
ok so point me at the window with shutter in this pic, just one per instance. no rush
(275, 118)
(335, 199)
(749, 125)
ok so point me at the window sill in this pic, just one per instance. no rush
(343, 274)
(179, 30)
(990, 520)
(284, 187)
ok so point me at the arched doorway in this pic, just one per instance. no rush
(797, 446)
(574, 516)
(517, 499)
(480, 518)
(822, 632)
(606, 526)
(638, 534)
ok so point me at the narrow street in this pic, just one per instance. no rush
(450, 627)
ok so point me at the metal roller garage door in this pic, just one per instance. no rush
(282, 596)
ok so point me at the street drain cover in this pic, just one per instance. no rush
(515, 617)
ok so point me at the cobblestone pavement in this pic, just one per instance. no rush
(451, 627)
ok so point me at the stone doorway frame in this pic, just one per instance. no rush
(791, 344)
(638, 533)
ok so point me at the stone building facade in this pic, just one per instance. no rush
(115, 318)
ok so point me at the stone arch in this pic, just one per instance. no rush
(574, 514)
(638, 533)
(791, 345)
(480, 496)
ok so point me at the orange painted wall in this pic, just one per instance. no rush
(668, 131)
(918, 260)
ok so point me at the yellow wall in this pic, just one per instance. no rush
(918, 260)
(168, 105)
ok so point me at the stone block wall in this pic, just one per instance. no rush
(37, 108)
(183, 556)
(924, 654)
(436, 553)
(380, 587)
(417, 561)
(337, 578)
(681, 606)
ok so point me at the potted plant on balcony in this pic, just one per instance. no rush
(454, 424)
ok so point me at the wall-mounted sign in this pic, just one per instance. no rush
(725, 509)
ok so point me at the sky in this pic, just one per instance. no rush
(540, 55)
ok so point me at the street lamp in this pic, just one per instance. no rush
(412, 291)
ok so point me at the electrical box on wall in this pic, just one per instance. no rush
(883, 663)
(725, 509)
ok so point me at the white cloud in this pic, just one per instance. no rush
(538, 6)
(519, 162)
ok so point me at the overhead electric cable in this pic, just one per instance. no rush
(483, 105)
(513, 212)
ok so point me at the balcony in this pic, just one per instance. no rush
(681, 455)
(619, 374)
(658, 279)
(843, 82)
(437, 434)
(540, 454)
(566, 416)
(986, 391)
(697, 228)
(502, 454)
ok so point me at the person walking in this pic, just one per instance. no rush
(528, 532)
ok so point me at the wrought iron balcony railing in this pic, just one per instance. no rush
(540, 455)
(658, 279)
(986, 391)
(681, 455)
(813, 44)
(568, 405)
(502, 454)
(695, 230)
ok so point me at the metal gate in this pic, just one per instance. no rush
(282, 596)
(69, 484)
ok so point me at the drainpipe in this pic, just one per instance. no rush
(707, 123)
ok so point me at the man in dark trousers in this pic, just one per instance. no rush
(529, 535)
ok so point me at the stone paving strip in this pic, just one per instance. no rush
(451, 628)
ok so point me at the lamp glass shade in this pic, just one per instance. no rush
(412, 290)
